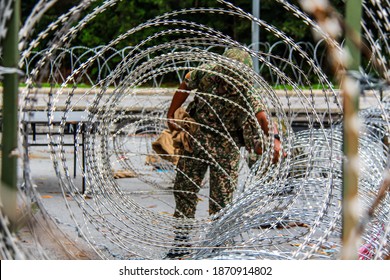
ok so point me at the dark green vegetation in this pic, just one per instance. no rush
(127, 14)
(130, 13)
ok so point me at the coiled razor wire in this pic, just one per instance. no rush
(288, 210)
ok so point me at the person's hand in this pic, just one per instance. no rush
(277, 150)
(258, 148)
(172, 125)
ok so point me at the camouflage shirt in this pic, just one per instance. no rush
(222, 97)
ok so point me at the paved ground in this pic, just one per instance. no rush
(66, 210)
(57, 235)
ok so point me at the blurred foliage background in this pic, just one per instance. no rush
(130, 13)
(127, 14)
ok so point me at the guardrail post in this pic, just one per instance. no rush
(9, 143)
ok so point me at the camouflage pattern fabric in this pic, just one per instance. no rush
(250, 135)
(192, 168)
(218, 104)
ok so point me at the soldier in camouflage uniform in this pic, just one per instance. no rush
(221, 107)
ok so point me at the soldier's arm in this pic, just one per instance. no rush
(178, 99)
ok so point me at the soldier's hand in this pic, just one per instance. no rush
(258, 148)
(172, 124)
(277, 150)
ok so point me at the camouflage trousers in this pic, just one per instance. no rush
(222, 157)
